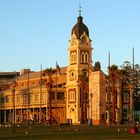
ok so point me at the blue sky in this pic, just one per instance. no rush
(35, 32)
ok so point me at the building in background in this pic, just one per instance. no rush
(73, 94)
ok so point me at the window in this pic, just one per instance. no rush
(36, 97)
(74, 57)
(86, 58)
(7, 98)
(70, 58)
(72, 95)
(82, 57)
(24, 98)
(18, 98)
(31, 97)
(2, 99)
(52, 95)
(60, 95)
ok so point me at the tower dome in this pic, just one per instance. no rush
(79, 28)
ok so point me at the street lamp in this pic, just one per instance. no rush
(91, 106)
(13, 92)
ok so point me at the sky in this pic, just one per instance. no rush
(35, 32)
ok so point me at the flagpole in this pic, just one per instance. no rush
(133, 86)
(28, 99)
(56, 94)
(40, 97)
(109, 88)
(57, 69)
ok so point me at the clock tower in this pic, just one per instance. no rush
(80, 60)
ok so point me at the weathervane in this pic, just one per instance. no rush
(80, 8)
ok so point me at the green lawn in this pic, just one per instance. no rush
(81, 132)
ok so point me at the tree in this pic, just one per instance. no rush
(127, 68)
(49, 72)
(136, 88)
(97, 66)
(122, 81)
(83, 78)
(127, 88)
(113, 74)
(131, 80)
(128, 80)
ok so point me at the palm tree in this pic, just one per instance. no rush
(127, 86)
(49, 72)
(136, 87)
(83, 95)
(121, 77)
(113, 71)
(122, 82)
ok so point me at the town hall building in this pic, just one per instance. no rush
(73, 94)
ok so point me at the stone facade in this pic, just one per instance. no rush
(97, 94)
(76, 93)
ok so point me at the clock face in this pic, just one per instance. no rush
(72, 75)
(74, 41)
(83, 40)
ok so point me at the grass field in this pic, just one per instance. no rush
(81, 132)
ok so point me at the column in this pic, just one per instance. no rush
(4, 116)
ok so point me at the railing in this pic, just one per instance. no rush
(55, 103)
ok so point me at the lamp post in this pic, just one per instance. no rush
(13, 92)
(49, 86)
(91, 106)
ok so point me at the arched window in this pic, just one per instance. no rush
(74, 57)
(82, 57)
(86, 58)
(70, 58)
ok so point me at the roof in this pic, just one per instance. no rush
(58, 79)
(36, 75)
(9, 73)
(79, 28)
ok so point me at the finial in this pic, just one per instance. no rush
(80, 8)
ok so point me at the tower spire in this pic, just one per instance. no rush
(80, 8)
